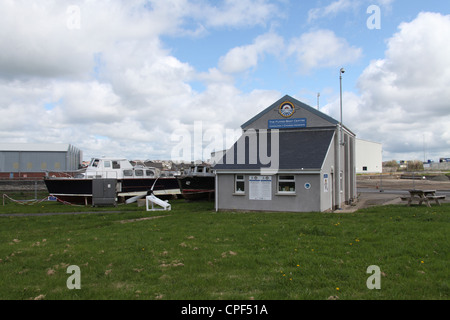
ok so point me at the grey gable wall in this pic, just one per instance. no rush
(314, 117)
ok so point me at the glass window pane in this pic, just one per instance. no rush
(239, 184)
(286, 184)
(139, 173)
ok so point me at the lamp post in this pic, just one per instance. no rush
(341, 141)
(341, 72)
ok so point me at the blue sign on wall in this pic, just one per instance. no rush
(287, 123)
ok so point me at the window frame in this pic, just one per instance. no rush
(127, 173)
(239, 180)
(138, 173)
(280, 179)
(115, 164)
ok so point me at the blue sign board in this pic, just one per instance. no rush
(287, 123)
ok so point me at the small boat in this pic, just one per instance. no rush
(198, 182)
(131, 181)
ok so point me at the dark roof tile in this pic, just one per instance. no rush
(304, 149)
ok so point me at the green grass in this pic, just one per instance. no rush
(192, 252)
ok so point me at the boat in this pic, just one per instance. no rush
(130, 181)
(197, 183)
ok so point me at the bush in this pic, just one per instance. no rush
(415, 165)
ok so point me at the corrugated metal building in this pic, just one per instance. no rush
(23, 160)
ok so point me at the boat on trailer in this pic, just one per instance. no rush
(198, 182)
(130, 181)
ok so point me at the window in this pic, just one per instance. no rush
(95, 162)
(286, 184)
(128, 173)
(116, 165)
(139, 173)
(364, 168)
(107, 164)
(149, 173)
(239, 185)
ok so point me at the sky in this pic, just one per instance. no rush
(175, 79)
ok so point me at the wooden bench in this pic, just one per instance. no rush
(423, 196)
(412, 199)
(436, 199)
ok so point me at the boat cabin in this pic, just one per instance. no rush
(112, 168)
(199, 170)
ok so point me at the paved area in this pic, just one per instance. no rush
(386, 191)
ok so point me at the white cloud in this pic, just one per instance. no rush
(404, 101)
(332, 9)
(312, 50)
(48, 38)
(238, 12)
(111, 85)
(105, 80)
(387, 4)
(246, 57)
(322, 48)
(343, 6)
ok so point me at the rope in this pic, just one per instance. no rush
(23, 202)
(67, 203)
(34, 201)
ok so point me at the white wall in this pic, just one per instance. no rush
(369, 157)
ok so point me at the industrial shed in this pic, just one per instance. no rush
(369, 157)
(23, 160)
(290, 158)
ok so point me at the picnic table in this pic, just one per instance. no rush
(423, 196)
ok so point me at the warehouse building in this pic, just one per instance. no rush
(369, 157)
(18, 160)
(289, 159)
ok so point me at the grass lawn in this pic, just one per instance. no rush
(193, 253)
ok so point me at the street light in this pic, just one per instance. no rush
(341, 72)
(341, 142)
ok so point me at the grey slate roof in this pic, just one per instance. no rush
(301, 149)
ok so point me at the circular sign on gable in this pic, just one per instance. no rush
(307, 186)
(286, 109)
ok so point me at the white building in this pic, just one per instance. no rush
(369, 158)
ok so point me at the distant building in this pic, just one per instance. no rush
(288, 159)
(369, 158)
(23, 160)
